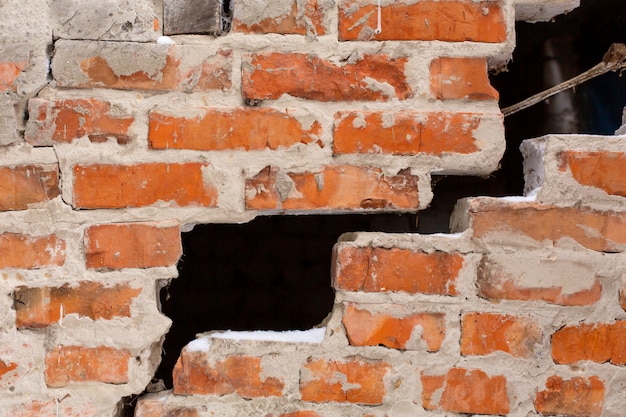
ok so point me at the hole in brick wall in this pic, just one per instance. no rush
(270, 274)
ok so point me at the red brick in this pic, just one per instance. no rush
(24, 185)
(465, 391)
(62, 121)
(299, 413)
(29, 252)
(301, 19)
(450, 21)
(353, 381)
(365, 328)
(597, 230)
(241, 375)
(373, 77)
(9, 71)
(485, 333)
(603, 170)
(405, 133)
(577, 397)
(6, 367)
(119, 186)
(592, 342)
(66, 364)
(54, 408)
(132, 245)
(495, 283)
(213, 129)
(156, 407)
(461, 78)
(335, 187)
(382, 270)
(41, 307)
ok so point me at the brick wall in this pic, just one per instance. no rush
(115, 140)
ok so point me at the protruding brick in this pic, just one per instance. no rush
(485, 333)
(62, 121)
(353, 381)
(119, 186)
(505, 277)
(66, 364)
(298, 18)
(381, 270)
(365, 328)
(405, 133)
(140, 66)
(372, 77)
(132, 245)
(24, 185)
(597, 230)
(241, 375)
(41, 307)
(603, 170)
(29, 252)
(9, 71)
(449, 21)
(213, 129)
(336, 187)
(577, 397)
(461, 78)
(590, 342)
(466, 391)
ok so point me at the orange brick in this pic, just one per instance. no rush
(9, 71)
(465, 391)
(379, 270)
(25, 185)
(255, 129)
(29, 252)
(270, 75)
(603, 170)
(62, 121)
(299, 413)
(622, 298)
(132, 245)
(149, 407)
(119, 186)
(6, 367)
(365, 328)
(495, 283)
(241, 375)
(54, 408)
(41, 307)
(485, 333)
(461, 78)
(301, 19)
(577, 397)
(336, 187)
(593, 342)
(597, 230)
(405, 133)
(449, 21)
(66, 364)
(353, 381)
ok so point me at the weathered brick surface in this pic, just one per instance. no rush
(461, 78)
(9, 71)
(378, 269)
(127, 66)
(24, 185)
(297, 18)
(577, 397)
(132, 245)
(598, 342)
(466, 391)
(415, 331)
(450, 21)
(321, 381)
(52, 408)
(372, 77)
(243, 375)
(406, 133)
(66, 364)
(213, 129)
(149, 407)
(6, 368)
(603, 170)
(622, 297)
(485, 333)
(336, 187)
(43, 306)
(62, 121)
(119, 186)
(30, 252)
